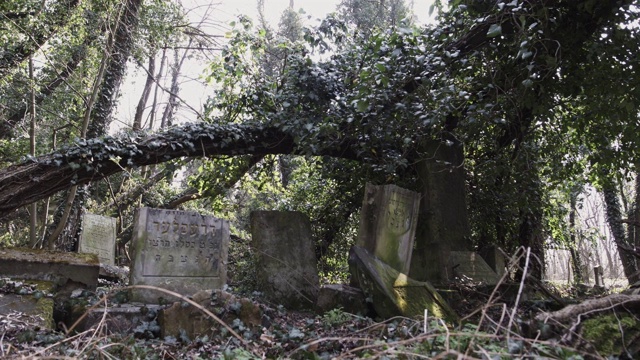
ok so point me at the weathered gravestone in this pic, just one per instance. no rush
(179, 251)
(388, 222)
(286, 258)
(99, 237)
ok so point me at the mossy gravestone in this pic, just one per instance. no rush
(286, 258)
(181, 251)
(392, 293)
(388, 224)
(99, 237)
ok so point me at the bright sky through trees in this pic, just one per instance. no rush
(215, 17)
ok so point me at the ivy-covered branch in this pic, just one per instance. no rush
(95, 159)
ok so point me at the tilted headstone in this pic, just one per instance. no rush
(395, 294)
(286, 258)
(99, 237)
(180, 251)
(388, 222)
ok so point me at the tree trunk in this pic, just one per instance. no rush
(122, 43)
(172, 105)
(33, 219)
(614, 219)
(442, 221)
(93, 160)
(142, 104)
(576, 261)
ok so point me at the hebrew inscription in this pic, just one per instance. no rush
(182, 244)
(179, 250)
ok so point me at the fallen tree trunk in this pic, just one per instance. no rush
(95, 159)
(573, 314)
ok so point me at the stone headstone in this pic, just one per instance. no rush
(388, 221)
(180, 251)
(393, 293)
(286, 258)
(468, 265)
(57, 267)
(99, 237)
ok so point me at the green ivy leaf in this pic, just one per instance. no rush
(494, 30)
(363, 105)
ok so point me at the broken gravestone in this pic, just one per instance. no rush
(388, 222)
(286, 258)
(393, 293)
(99, 237)
(179, 251)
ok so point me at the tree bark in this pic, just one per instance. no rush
(122, 42)
(142, 104)
(614, 219)
(576, 261)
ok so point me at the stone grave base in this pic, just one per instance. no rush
(36, 305)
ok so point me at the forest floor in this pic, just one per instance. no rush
(482, 334)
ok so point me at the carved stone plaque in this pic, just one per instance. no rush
(179, 251)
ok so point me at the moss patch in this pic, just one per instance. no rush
(610, 334)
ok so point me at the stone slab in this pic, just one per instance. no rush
(393, 293)
(471, 266)
(99, 237)
(57, 267)
(388, 221)
(286, 258)
(494, 257)
(181, 251)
